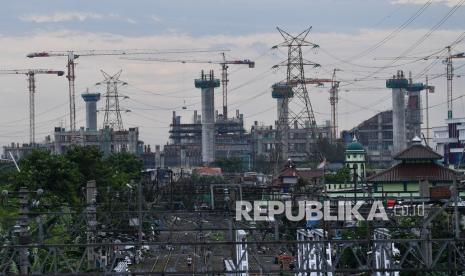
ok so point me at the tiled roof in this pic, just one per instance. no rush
(412, 172)
(310, 173)
(207, 171)
(288, 172)
(418, 152)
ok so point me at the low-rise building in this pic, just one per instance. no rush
(417, 169)
(449, 141)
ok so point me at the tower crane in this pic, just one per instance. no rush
(333, 97)
(449, 71)
(73, 55)
(30, 73)
(224, 72)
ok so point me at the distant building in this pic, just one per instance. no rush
(107, 140)
(450, 141)
(185, 147)
(21, 150)
(263, 140)
(375, 134)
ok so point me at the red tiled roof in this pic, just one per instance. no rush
(207, 170)
(414, 172)
(417, 152)
(288, 172)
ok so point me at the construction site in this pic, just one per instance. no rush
(289, 186)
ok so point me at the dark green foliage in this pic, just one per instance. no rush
(230, 165)
(55, 174)
(341, 176)
(63, 177)
(332, 152)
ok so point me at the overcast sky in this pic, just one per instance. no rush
(354, 36)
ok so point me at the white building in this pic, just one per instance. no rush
(356, 158)
(449, 140)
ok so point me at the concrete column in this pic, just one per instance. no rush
(91, 100)
(282, 93)
(208, 83)
(398, 84)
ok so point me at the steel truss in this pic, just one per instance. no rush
(70, 259)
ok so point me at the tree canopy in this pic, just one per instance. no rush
(63, 177)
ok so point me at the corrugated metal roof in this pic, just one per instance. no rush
(418, 152)
(412, 172)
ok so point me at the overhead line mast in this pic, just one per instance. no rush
(301, 111)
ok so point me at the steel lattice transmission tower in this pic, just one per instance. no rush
(112, 118)
(296, 107)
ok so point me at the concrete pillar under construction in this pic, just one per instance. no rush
(398, 83)
(91, 100)
(207, 84)
(282, 93)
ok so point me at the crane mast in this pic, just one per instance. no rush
(30, 73)
(450, 77)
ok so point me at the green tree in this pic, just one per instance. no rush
(333, 152)
(55, 174)
(341, 176)
(124, 168)
(230, 165)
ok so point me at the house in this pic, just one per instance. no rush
(417, 169)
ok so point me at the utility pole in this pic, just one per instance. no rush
(450, 76)
(427, 113)
(139, 211)
(91, 218)
(23, 233)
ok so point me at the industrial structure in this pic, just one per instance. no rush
(298, 105)
(91, 100)
(30, 73)
(398, 84)
(112, 118)
(71, 65)
(109, 140)
(207, 84)
(391, 131)
(185, 147)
